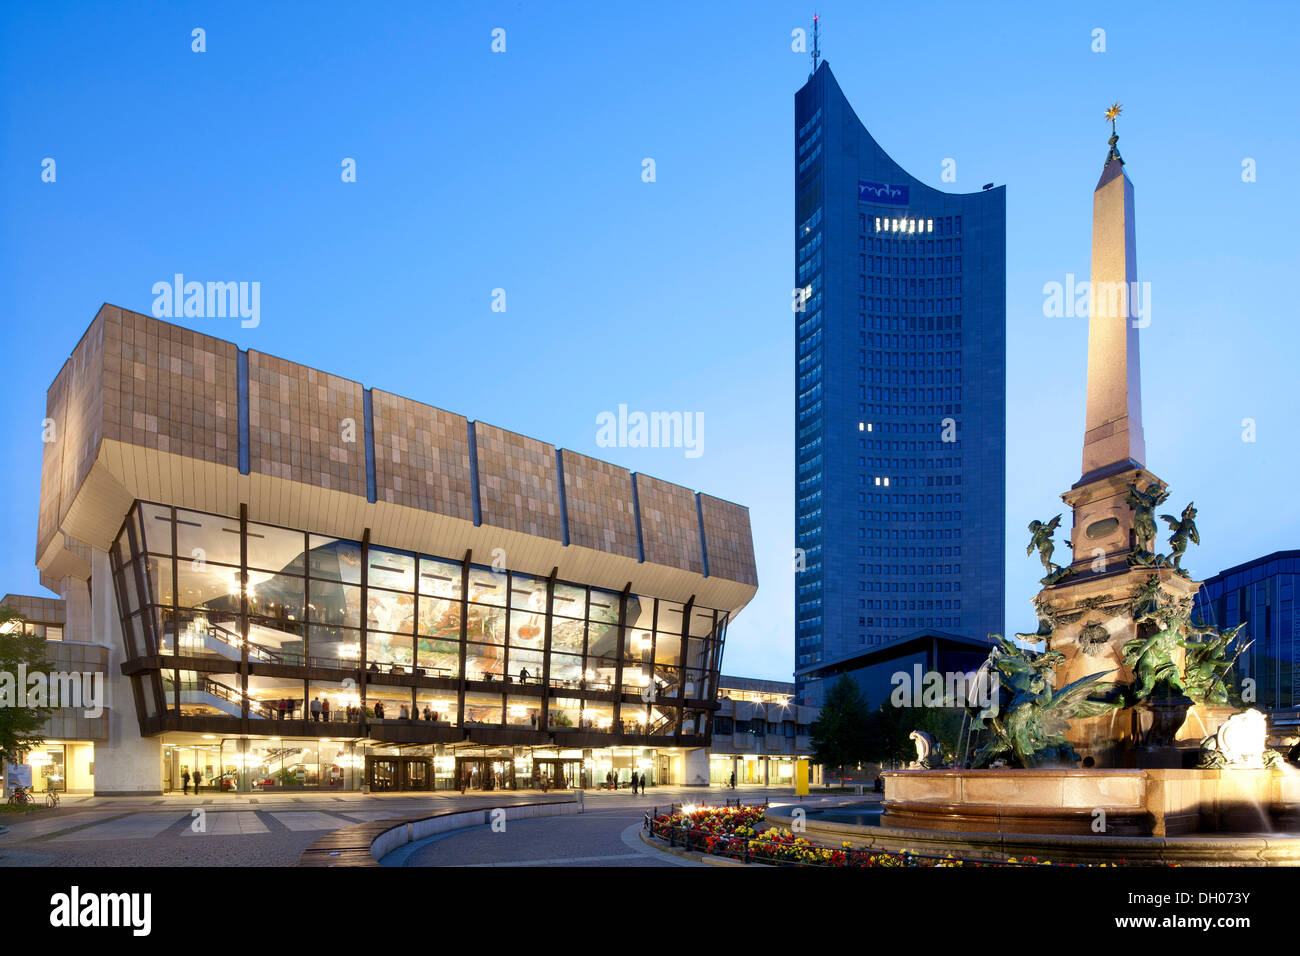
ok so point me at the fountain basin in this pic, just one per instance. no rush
(1132, 803)
(1193, 850)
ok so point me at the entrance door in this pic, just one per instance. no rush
(557, 774)
(382, 774)
(474, 773)
(417, 773)
(503, 774)
(386, 774)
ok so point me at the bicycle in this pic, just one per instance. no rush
(51, 797)
(20, 797)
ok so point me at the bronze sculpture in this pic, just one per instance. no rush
(1183, 529)
(1046, 624)
(1144, 505)
(1206, 666)
(1029, 720)
(1041, 538)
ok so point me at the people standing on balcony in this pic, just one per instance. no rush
(325, 709)
(284, 708)
(315, 709)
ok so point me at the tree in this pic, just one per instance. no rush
(889, 731)
(839, 734)
(19, 725)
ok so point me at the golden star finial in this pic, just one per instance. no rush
(1112, 113)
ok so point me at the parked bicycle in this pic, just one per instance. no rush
(51, 797)
(20, 797)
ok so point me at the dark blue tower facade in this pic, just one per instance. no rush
(1262, 595)
(900, 397)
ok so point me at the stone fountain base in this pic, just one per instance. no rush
(1137, 803)
(1193, 850)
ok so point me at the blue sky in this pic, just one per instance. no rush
(522, 171)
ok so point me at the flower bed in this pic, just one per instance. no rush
(737, 832)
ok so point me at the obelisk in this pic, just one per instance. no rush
(1090, 607)
(1114, 451)
(1113, 430)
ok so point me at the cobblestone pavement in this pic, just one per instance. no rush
(274, 829)
(598, 837)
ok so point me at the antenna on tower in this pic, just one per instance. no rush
(816, 50)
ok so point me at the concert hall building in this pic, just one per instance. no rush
(302, 582)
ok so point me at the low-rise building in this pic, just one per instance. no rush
(759, 733)
(65, 761)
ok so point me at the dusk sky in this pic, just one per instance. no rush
(522, 171)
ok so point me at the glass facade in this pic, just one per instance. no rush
(1262, 595)
(238, 627)
(900, 354)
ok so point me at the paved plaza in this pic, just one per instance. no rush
(274, 829)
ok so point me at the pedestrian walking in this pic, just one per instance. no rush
(185, 782)
(198, 778)
(634, 782)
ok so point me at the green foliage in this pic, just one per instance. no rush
(288, 777)
(839, 735)
(889, 731)
(19, 726)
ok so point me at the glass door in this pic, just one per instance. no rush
(417, 774)
(382, 775)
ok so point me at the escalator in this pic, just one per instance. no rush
(210, 693)
(217, 640)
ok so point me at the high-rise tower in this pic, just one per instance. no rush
(900, 405)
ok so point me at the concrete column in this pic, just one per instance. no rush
(695, 762)
(76, 594)
(126, 763)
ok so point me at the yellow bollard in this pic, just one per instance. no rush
(801, 778)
